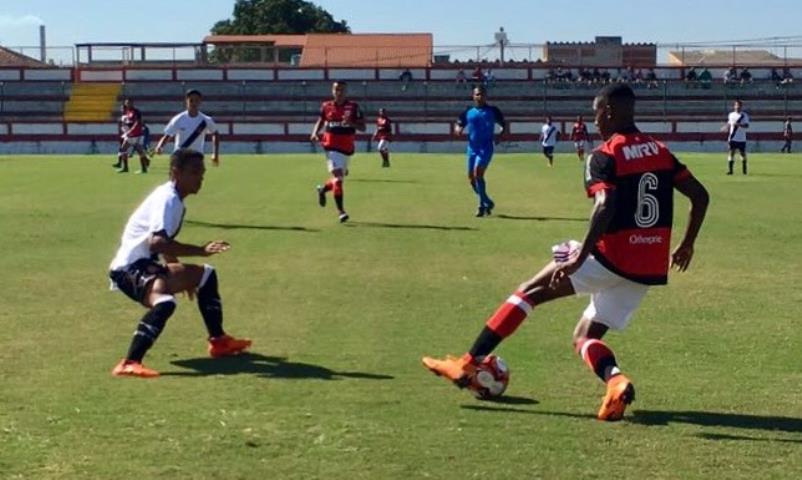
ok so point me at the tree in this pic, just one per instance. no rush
(265, 17)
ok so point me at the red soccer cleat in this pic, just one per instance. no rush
(130, 368)
(226, 345)
(620, 393)
(457, 370)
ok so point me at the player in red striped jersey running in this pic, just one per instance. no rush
(579, 135)
(384, 131)
(341, 119)
(625, 250)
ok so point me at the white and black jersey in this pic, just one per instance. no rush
(162, 212)
(549, 134)
(735, 121)
(190, 132)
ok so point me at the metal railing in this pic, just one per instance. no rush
(785, 51)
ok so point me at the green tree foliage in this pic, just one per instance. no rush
(265, 17)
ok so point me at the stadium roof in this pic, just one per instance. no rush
(274, 40)
(10, 58)
(368, 49)
(345, 49)
(727, 57)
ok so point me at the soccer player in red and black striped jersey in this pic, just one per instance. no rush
(625, 250)
(384, 131)
(133, 129)
(579, 135)
(340, 119)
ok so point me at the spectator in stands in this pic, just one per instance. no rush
(461, 79)
(705, 78)
(637, 76)
(596, 75)
(691, 77)
(406, 78)
(787, 77)
(730, 75)
(651, 78)
(490, 79)
(776, 77)
(478, 76)
(746, 76)
(788, 135)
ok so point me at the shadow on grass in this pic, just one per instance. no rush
(715, 419)
(542, 219)
(722, 436)
(379, 180)
(407, 226)
(234, 226)
(264, 366)
(488, 408)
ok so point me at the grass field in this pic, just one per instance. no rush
(341, 314)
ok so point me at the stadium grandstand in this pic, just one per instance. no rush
(265, 90)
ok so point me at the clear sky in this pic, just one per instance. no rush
(453, 22)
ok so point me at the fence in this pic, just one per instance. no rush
(768, 52)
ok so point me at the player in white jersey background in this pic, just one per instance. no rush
(190, 128)
(548, 139)
(737, 123)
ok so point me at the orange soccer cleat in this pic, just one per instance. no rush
(457, 370)
(130, 368)
(620, 393)
(225, 345)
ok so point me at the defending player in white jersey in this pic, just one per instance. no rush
(152, 282)
(548, 139)
(190, 128)
(737, 123)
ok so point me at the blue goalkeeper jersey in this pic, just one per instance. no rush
(481, 123)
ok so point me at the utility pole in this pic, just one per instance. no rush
(501, 41)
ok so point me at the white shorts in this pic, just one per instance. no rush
(131, 141)
(613, 299)
(580, 145)
(384, 145)
(337, 160)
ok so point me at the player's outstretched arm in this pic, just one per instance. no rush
(700, 199)
(601, 216)
(171, 248)
(161, 143)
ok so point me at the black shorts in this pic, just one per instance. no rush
(548, 150)
(133, 280)
(740, 146)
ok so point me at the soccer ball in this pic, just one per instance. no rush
(491, 378)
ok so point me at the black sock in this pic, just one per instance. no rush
(149, 329)
(485, 343)
(743, 166)
(211, 307)
(338, 199)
